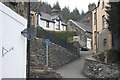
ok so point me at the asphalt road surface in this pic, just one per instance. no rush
(74, 69)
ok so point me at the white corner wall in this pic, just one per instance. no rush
(14, 61)
(0, 46)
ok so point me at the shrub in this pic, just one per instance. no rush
(101, 57)
(64, 35)
(113, 56)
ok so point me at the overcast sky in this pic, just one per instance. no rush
(79, 4)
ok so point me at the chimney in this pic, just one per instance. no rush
(55, 12)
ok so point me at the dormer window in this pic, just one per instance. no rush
(57, 19)
(58, 25)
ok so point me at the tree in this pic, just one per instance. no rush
(57, 6)
(82, 14)
(42, 7)
(75, 15)
(48, 8)
(34, 6)
(114, 17)
(65, 14)
(114, 26)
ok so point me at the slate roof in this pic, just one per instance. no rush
(82, 26)
(85, 27)
(46, 16)
(54, 17)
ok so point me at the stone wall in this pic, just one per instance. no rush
(42, 71)
(95, 69)
(102, 45)
(58, 56)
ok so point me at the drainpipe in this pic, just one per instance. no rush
(28, 44)
(96, 32)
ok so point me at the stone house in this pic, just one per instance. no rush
(87, 18)
(101, 36)
(47, 21)
(85, 24)
(83, 31)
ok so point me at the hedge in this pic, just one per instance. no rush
(113, 56)
(64, 35)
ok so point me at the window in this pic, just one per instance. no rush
(103, 21)
(104, 42)
(47, 24)
(58, 25)
(95, 37)
(95, 18)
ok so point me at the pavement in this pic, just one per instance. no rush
(74, 69)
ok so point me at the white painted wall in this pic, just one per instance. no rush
(0, 45)
(52, 26)
(62, 28)
(43, 25)
(14, 62)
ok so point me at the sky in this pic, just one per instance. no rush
(79, 4)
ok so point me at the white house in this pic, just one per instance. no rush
(12, 44)
(48, 22)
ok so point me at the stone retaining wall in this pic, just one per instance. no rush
(58, 56)
(95, 69)
(41, 71)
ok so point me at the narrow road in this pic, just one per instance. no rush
(74, 69)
